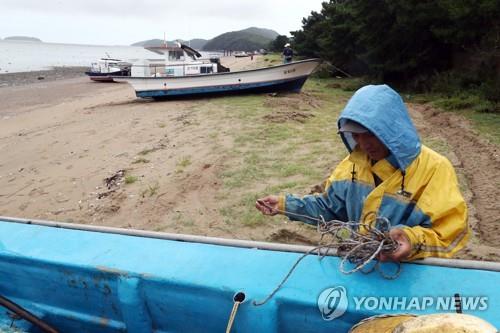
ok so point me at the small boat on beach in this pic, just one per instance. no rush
(241, 54)
(70, 277)
(106, 68)
(286, 77)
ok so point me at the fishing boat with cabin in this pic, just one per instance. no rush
(186, 75)
(105, 69)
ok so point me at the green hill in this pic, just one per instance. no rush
(249, 39)
(23, 38)
(244, 40)
(196, 43)
(267, 33)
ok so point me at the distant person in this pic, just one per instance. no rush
(390, 173)
(287, 54)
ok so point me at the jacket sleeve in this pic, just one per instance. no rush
(442, 202)
(306, 209)
(330, 205)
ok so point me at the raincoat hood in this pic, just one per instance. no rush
(381, 110)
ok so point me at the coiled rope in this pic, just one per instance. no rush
(356, 242)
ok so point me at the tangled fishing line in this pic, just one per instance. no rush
(355, 242)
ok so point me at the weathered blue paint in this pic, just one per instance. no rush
(83, 281)
(293, 85)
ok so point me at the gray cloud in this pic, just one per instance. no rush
(145, 9)
(126, 21)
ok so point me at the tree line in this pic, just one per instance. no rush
(408, 42)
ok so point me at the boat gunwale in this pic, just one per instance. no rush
(453, 263)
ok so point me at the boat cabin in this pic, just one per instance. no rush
(109, 66)
(180, 60)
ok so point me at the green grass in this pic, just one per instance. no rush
(487, 124)
(151, 190)
(290, 157)
(270, 59)
(484, 115)
(182, 164)
(439, 145)
(458, 102)
(277, 157)
(183, 220)
(243, 212)
(130, 179)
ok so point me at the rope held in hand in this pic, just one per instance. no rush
(356, 242)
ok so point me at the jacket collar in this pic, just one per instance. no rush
(383, 168)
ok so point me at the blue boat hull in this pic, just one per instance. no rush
(294, 85)
(97, 281)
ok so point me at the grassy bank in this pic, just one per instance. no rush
(288, 143)
(469, 105)
(280, 143)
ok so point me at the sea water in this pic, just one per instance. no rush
(23, 56)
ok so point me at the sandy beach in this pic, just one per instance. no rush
(67, 145)
(61, 139)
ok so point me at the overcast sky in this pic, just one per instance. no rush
(123, 22)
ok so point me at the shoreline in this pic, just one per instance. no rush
(32, 77)
(56, 73)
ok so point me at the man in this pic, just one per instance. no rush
(390, 173)
(287, 54)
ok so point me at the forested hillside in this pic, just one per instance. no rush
(244, 40)
(411, 42)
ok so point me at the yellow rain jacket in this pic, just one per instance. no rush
(417, 188)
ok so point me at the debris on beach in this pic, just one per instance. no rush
(115, 180)
(105, 194)
(112, 183)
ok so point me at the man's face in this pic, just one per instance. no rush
(372, 146)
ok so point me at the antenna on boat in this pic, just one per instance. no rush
(164, 39)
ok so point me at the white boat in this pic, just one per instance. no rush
(241, 54)
(105, 68)
(286, 77)
(174, 61)
(179, 60)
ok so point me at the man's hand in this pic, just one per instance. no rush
(268, 205)
(402, 251)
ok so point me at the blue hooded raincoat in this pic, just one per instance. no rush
(418, 190)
